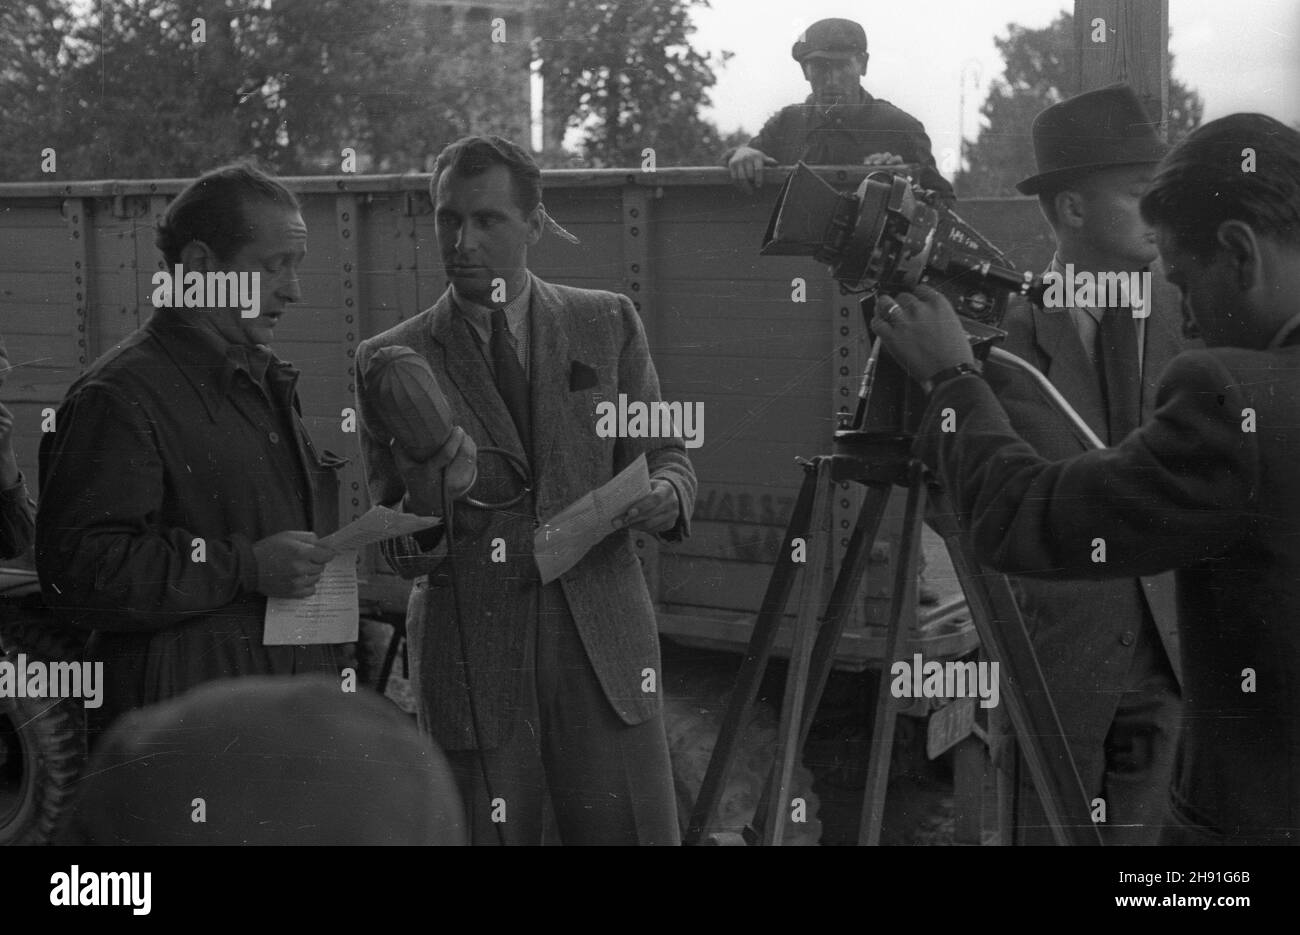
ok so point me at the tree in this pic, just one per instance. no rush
(1041, 70)
(149, 88)
(626, 74)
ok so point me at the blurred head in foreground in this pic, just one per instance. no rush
(266, 760)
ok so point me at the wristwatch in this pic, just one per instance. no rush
(947, 373)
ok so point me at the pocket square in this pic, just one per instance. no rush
(581, 377)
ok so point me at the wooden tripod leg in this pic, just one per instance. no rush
(805, 633)
(775, 599)
(848, 582)
(886, 714)
(1022, 687)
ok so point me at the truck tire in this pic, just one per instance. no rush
(694, 705)
(42, 740)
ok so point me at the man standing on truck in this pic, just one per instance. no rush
(839, 123)
(546, 697)
(180, 489)
(1108, 649)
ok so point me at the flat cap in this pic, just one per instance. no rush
(830, 36)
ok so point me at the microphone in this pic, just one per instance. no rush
(405, 397)
(403, 394)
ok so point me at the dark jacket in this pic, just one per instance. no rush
(17, 511)
(845, 135)
(1193, 490)
(606, 591)
(1084, 632)
(161, 443)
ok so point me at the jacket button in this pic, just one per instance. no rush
(537, 523)
(275, 438)
(1127, 638)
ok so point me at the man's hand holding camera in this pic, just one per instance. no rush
(922, 332)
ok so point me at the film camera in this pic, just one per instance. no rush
(886, 238)
(890, 235)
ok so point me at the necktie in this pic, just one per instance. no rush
(512, 383)
(1117, 357)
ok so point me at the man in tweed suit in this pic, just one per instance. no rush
(546, 697)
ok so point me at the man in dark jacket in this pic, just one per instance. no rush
(180, 489)
(1207, 485)
(840, 123)
(1108, 649)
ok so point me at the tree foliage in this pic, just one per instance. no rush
(626, 74)
(157, 88)
(1041, 70)
(125, 89)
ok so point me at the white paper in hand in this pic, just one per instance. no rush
(567, 536)
(331, 615)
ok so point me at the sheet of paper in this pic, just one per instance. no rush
(331, 615)
(328, 616)
(377, 524)
(567, 536)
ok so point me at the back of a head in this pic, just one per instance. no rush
(274, 760)
(473, 155)
(212, 209)
(1243, 167)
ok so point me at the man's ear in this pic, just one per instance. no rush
(1242, 248)
(1071, 208)
(536, 223)
(803, 66)
(862, 68)
(199, 257)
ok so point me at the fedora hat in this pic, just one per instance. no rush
(1094, 130)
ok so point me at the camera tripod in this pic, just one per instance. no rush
(873, 450)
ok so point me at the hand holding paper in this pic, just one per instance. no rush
(331, 614)
(567, 536)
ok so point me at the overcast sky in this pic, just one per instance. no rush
(1240, 55)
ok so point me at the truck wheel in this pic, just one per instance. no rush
(694, 705)
(42, 741)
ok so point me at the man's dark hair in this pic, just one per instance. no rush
(474, 155)
(1244, 167)
(212, 209)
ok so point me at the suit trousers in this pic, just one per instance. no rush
(570, 771)
(1133, 770)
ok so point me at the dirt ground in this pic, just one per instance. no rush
(919, 804)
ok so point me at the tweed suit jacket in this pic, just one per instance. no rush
(1084, 632)
(1207, 486)
(573, 331)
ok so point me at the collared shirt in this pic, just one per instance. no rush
(254, 360)
(479, 318)
(1285, 332)
(1087, 321)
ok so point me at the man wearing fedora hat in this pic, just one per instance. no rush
(839, 123)
(1108, 649)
